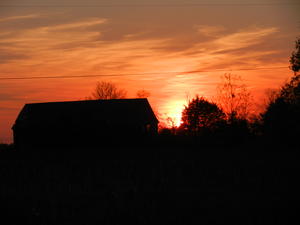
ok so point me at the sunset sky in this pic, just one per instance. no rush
(170, 48)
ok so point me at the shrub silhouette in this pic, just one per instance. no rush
(201, 116)
(282, 116)
(295, 57)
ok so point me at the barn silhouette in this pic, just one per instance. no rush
(92, 122)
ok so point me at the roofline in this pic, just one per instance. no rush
(93, 100)
(123, 99)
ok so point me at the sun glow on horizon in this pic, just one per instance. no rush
(174, 111)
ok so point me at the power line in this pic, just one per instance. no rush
(161, 5)
(136, 74)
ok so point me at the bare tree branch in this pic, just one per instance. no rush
(234, 97)
(142, 94)
(107, 90)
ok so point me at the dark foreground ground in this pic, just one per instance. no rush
(151, 186)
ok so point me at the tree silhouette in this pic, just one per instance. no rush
(234, 98)
(271, 95)
(282, 116)
(201, 115)
(295, 57)
(107, 90)
(142, 94)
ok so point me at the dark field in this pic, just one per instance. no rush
(150, 186)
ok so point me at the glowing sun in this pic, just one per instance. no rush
(174, 111)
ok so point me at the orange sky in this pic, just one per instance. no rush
(150, 41)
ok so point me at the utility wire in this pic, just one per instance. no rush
(136, 74)
(160, 5)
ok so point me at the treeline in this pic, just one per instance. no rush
(207, 121)
(228, 119)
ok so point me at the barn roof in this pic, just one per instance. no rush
(131, 111)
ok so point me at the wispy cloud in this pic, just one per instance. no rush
(55, 33)
(210, 31)
(237, 48)
(43, 48)
(31, 44)
(11, 18)
(243, 38)
(87, 23)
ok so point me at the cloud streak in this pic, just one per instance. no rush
(83, 24)
(12, 18)
(210, 31)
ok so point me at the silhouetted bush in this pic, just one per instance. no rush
(295, 57)
(201, 117)
(282, 117)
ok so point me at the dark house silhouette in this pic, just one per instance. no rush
(84, 122)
